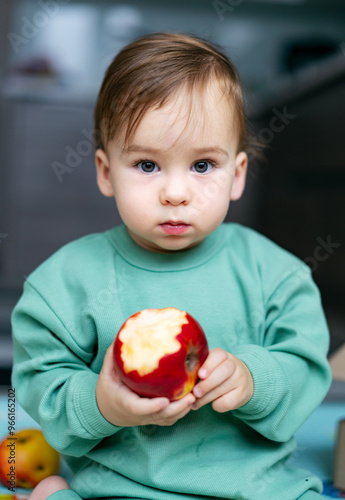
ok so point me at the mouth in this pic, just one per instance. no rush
(174, 227)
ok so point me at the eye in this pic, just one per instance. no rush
(146, 166)
(204, 166)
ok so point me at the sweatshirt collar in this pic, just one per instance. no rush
(137, 256)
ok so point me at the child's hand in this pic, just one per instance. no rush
(121, 406)
(225, 380)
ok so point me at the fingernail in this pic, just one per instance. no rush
(194, 406)
(202, 372)
(198, 392)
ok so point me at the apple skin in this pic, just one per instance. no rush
(34, 458)
(177, 372)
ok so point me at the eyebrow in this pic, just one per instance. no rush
(145, 149)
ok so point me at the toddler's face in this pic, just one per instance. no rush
(174, 184)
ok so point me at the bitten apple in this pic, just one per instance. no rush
(158, 352)
(26, 458)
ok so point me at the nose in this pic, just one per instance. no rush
(175, 190)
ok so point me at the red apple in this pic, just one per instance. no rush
(26, 458)
(158, 352)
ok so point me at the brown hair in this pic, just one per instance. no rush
(148, 71)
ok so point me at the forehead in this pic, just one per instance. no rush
(189, 118)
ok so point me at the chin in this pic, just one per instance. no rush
(161, 245)
(177, 247)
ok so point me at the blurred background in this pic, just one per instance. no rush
(291, 57)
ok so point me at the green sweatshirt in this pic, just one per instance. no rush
(251, 297)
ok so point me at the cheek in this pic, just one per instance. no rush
(133, 201)
(215, 194)
(127, 190)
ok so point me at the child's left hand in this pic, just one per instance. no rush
(225, 380)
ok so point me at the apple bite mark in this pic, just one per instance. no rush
(158, 352)
(148, 336)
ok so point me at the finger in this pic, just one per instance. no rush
(177, 407)
(138, 405)
(229, 401)
(108, 367)
(175, 410)
(218, 376)
(219, 391)
(160, 419)
(214, 358)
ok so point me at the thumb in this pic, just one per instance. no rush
(108, 367)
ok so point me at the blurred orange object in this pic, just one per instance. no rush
(25, 459)
(17, 496)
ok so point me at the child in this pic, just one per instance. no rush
(171, 149)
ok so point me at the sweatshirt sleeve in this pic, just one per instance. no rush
(290, 370)
(52, 377)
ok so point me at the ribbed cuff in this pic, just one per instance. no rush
(258, 361)
(86, 408)
(64, 495)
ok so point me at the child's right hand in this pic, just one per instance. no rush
(122, 407)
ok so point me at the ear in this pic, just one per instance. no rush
(239, 181)
(103, 173)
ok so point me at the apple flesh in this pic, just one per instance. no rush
(34, 459)
(158, 352)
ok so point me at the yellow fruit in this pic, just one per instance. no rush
(26, 458)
